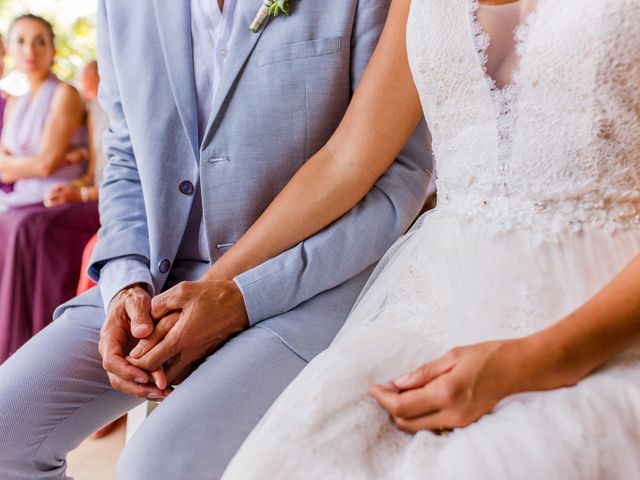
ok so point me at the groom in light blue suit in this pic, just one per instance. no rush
(208, 121)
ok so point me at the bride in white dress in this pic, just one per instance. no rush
(515, 304)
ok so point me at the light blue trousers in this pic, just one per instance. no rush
(54, 393)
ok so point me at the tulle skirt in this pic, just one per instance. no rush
(450, 283)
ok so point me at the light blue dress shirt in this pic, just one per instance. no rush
(211, 30)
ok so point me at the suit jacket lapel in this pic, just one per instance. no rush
(241, 44)
(174, 24)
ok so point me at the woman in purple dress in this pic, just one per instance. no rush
(41, 126)
(40, 248)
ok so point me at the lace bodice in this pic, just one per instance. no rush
(559, 147)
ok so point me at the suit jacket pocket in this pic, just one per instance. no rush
(295, 51)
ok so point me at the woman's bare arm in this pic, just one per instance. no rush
(588, 337)
(66, 115)
(381, 118)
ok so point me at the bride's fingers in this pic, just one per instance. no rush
(437, 422)
(425, 374)
(412, 403)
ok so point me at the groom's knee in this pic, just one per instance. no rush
(16, 400)
(33, 380)
(16, 406)
(143, 457)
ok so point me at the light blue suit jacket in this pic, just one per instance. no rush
(281, 96)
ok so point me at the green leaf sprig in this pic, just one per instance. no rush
(279, 6)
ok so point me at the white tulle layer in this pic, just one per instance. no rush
(447, 284)
(452, 282)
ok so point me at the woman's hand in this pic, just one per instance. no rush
(75, 156)
(460, 387)
(61, 194)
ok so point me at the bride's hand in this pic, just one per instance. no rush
(456, 389)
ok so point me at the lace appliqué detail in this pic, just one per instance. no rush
(531, 177)
(545, 219)
(505, 98)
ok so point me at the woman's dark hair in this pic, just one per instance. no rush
(40, 20)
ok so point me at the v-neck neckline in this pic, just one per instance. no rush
(481, 40)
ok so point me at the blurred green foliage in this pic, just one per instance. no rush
(75, 35)
(76, 45)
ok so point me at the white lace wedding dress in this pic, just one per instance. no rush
(538, 209)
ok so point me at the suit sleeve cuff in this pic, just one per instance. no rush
(259, 296)
(122, 273)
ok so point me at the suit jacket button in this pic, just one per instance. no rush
(186, 188)
(164, 266)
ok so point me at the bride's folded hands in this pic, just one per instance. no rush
(467, 382)
(456, 389)
(464, 384)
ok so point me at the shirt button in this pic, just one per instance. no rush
(164, 265)
(186, 188)
(224, 52)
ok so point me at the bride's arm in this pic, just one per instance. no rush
(381, 118)
(593, 334)
(467, 382)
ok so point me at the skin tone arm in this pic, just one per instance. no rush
(383, 114)
(66, 116)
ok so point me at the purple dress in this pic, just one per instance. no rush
(22, 136)
(40, 248)
(3, 104)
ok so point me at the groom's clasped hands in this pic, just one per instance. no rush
(193, 319)
(169, 333)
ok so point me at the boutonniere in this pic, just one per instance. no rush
(269, 8)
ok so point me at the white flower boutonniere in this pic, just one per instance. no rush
(269, 7)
